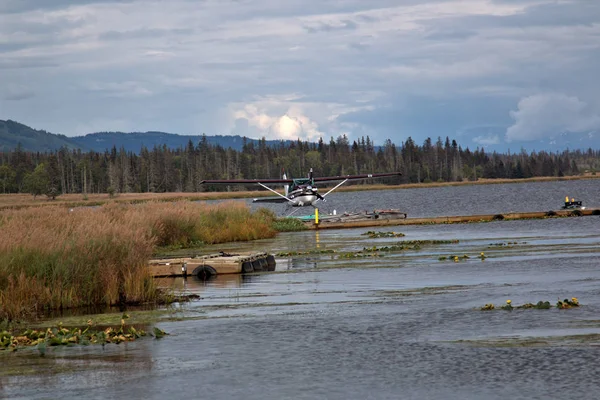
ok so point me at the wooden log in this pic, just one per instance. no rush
(370, 222)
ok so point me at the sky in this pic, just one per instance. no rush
(497, 74)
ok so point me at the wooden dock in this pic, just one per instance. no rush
(212, 264)
(369, 221)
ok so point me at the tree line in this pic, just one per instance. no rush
(162, 169)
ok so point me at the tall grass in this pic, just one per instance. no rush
(52, 258)
(186, 223)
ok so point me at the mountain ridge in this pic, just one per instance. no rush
(13, 133)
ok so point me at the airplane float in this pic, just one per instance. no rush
(299, 192)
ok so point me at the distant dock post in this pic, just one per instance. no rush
(316, 217)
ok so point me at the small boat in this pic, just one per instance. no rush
(572, 204)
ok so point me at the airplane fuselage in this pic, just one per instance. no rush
(302, 197)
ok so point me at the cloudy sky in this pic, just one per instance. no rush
(493, 73)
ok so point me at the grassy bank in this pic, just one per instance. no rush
(53, 258)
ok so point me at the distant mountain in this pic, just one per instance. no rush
(134, 141)
(12, 133)
(492, 139)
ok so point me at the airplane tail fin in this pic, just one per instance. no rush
(285, 187)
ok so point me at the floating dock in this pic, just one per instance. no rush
(370, 219)
(213, 264)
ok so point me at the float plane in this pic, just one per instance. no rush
(299, 192)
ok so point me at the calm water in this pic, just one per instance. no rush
(402, 326)
(460, 200)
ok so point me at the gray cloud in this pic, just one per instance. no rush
(449, 34)
(387, 68)
(19, 6)
(533, 15)
(18, 92)
(19, 96)
(16, 63)
(325, 27)
(143, 33)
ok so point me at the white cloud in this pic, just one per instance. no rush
(487, 140)
(548, 115)
(290, 116)
(292, 124)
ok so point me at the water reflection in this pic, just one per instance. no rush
(197, 285)
(27, 374)
(297, 262)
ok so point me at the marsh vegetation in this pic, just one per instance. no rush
(55, 258)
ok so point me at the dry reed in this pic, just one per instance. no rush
(53, 258)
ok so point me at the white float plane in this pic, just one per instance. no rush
(301, 191)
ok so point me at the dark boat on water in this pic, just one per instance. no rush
(571, 203)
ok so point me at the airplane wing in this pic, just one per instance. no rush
(354, 177)
(270, 200)
(247, 181)
(260, 182)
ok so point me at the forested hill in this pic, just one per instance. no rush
(157, 167)
(161, 169)
(133, 142)
(13, 134)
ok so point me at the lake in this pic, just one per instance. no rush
(403, 325)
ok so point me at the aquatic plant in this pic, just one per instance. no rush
(508, 306)
(540, 305)
(504, 244)
(457, 258)
(375, 235)
(306, 252)
(288, 225)
(453, 257)
(408, 245)
(566, 303)
(395, 247)
(428, 242)
(62, 336)
(358, 255)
